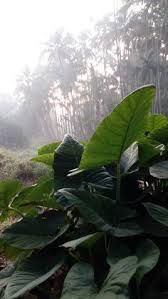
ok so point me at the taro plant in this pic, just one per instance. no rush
(97, 228)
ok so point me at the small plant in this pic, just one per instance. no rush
(102, 220)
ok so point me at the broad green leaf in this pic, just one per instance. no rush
(86, 241)
(101, 211)
(32, 272)
(8, 189)
(47, 159)
(80, 284)
(12, 253)
(34, 195)
(129, 157)
(119, 129)
(48, 148)
(147, 152)
(156, 121)
(158, 213)
(161, 135)
(159, 170)
(37, 232)
(148, 255)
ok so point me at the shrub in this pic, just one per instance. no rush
(14, 167)
(103, 219)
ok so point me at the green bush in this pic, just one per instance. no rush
(103, 218)
(16, 167)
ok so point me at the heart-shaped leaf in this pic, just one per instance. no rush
(8, 189)
(148, 255)
(119, 129)
(32, 272)
(158, 213)
(47, 159)
(159, 170)
(37, 232)
(48, 148)
(79, 282)
(155, 122)
(101, 211)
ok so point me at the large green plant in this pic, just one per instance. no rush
(103, 218)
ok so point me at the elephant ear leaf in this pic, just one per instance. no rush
(79, 282)
(148, 255)
(33, 271)
(119, 129)
(155, 122)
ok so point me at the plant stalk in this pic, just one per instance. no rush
(118, 184)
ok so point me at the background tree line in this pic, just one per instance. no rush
(80, 79)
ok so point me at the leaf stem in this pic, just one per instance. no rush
(118, 183)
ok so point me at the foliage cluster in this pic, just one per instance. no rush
(103, 217)
(18, 166)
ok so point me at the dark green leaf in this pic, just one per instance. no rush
(66, 157)
(80, 284)
(157, 212)
(101, 211)
(37, 232)
(147, 152)
(32, 272)
(5, 275)
(148, 255)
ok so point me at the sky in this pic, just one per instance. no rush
(25, 25)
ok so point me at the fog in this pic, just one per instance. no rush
(64, 65)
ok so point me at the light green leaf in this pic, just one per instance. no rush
(47, 159)
(37, 232)
(161, 135)
(158, 213)
(148, 255)
(86, 241)
(48, 148)
(159, 170)
(129, 157)
(8, 189)
(32, 272)
(34, 195)
(156, 121)
(119, 129)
